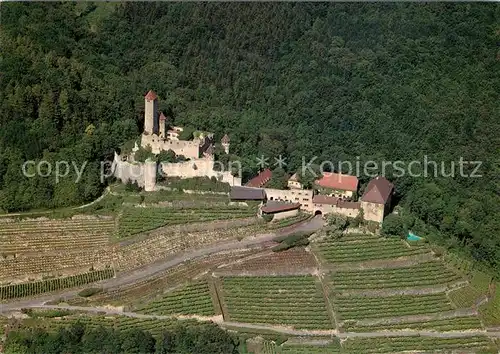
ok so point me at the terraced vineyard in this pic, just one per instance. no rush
(135, 220)
(423, 274)
(361, 307)
(34, 248)
(295, 301)
(350, 249)
(35, 288)
(449, 324)
(165, 242)
(122, 323)
(44, 235)
(296, 348)
(193, 299)
(172, 277)
(293, 260)
(418, 343)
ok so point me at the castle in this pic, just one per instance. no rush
(159, 136)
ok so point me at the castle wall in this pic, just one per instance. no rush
(190, 149)
(333, 209)
(126, 171)
(198, 168)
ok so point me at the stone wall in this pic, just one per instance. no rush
(373, 211)
(198, 168)
(302, 196)
(190, 149)
(126, 171)
(285, 214)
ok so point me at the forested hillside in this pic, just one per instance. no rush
(337, 81)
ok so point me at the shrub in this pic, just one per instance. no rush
(268, 217)
(89, 292)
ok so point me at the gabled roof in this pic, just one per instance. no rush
(151, 96)
(247, 193)
(276, 207)
(325, 199)
(338, 181)
(378, 191)
(261, 179)
(294, 178)
(209, 150)
(225, 139)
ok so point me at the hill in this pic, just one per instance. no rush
(337, 81)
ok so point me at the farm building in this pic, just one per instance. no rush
(280, 210)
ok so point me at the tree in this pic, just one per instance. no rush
(187, 133)
(167, 156)
(143, 154)
(393, 226)
(307, 176)
(279, 179)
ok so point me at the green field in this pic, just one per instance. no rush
(286, 300)
(192, 299)
(424, 274)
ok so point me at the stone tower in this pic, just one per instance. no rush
(151, 124)
(150, 175)
(163, 123)
(225, 143)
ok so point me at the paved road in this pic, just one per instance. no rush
(152, 269)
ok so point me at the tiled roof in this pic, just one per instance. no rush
(378, 191)
(225, 139)
(246, 193)
(151, 95)
(276, 207)
(325, 199)
(338, 181)
(261, 179)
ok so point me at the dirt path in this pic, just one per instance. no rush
(279, 329)
(130, 278)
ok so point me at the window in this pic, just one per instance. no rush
(297, 198)
(306, 205)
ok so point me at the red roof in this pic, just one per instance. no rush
(162, 116)
(325, 199)
(378, 191)
(261, 179)
(151, 96)
(276, 207)
(338, 181)
(225, 139)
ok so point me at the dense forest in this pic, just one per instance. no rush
(337, 81)
(78, 338)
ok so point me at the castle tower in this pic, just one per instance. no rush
(151, 123)
(225, 143)
(163, 123)
(149, 175)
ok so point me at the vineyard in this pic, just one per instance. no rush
(444, 325)
(423, 274)
(362, 307)
(39, 287)
(295, 301)
(295, 260)
(165, 242)
(364, 249)
(135, 220)
(193, 299)
(296, 348)
(34, 248)
(417, 343)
